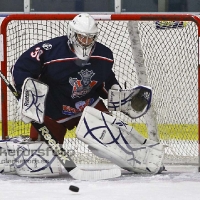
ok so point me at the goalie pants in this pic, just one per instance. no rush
(59, 129)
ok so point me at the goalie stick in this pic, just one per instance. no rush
(60, 152)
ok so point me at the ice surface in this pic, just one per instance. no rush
(178, 182)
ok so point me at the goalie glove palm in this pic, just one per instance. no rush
(140, 100)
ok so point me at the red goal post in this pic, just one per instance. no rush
(160, 50)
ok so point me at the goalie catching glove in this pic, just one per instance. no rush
(133, 102)
(32, 101)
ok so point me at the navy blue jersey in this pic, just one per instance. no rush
(71, 87)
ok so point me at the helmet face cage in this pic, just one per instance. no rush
(85, 40)
(82, 34)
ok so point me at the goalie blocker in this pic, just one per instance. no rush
(32, 101)
(110, 138)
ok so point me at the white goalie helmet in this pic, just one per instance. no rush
(82, 34)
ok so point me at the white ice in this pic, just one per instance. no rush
(178, 182)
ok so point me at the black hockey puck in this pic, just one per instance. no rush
(73, 188)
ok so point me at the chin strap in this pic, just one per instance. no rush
(71, 47)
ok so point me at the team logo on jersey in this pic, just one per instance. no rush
(47, 46)
(84, 85)
(79, 107)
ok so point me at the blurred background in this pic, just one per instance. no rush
(99, 6)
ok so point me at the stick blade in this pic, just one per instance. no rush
(80, 174)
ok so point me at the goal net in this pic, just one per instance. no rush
(156, 50)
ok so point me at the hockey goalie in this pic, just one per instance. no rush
(105, 135)
(62, 82)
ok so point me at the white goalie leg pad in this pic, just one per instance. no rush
(134, 102)
(34, 159)
(6, 158)
(32, 102)
(120, 143)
